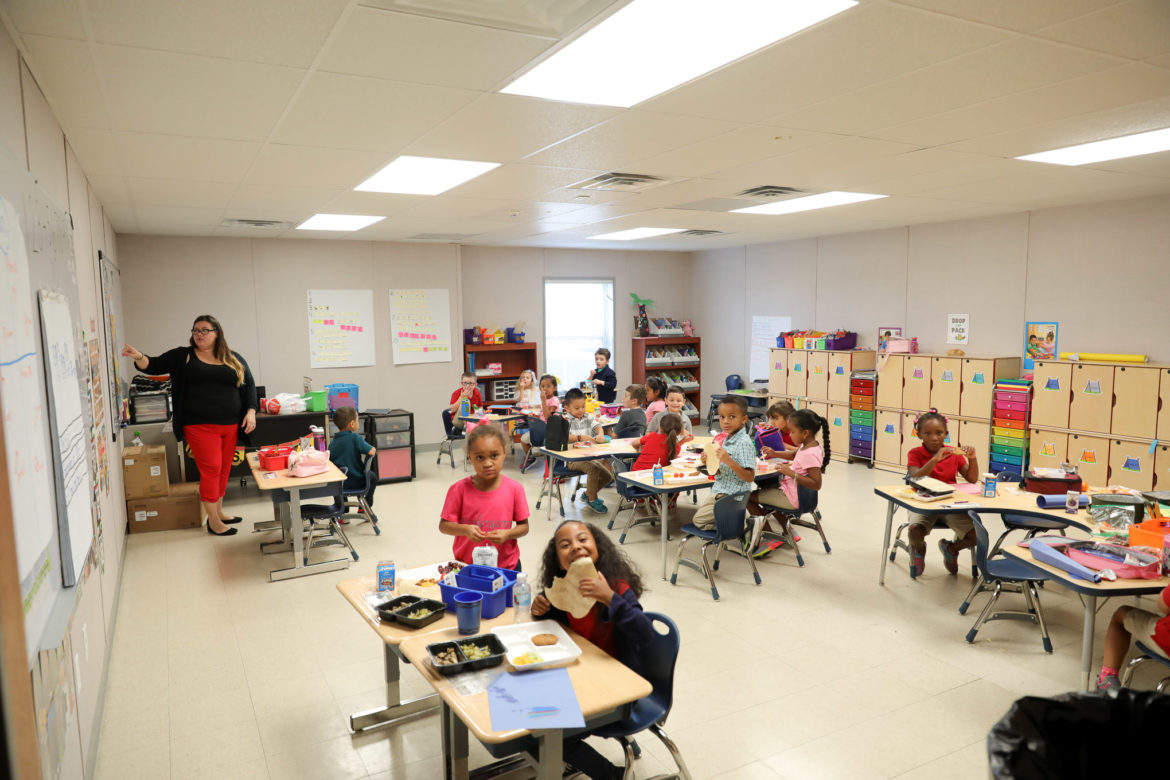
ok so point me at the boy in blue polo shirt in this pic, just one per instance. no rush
(737, 457)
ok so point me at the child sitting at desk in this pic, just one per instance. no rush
(468, 391)
(632, 423)
(676, 399)
(603, 377)
(809, 458)
(660, 447)
(737, 457)
(549, 404)
(347, 450)
(773, 440)
(583, 431)
(655, 397)
(486, 508)
(616, 623)
(527, 393)
(1150, 627)
(944, 463)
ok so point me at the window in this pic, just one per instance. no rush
(578, 319)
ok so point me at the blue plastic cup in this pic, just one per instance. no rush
(467, 610)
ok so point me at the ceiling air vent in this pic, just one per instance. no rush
(701, 233)
(621, 182)
(269, 224)
(440, 237)
(770, 191)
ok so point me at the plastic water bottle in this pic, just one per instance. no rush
(658, 478)
(522, 598)
(137, 440)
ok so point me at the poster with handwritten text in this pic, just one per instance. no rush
(420, 326)
(341, 328)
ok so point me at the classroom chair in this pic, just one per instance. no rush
(323, 519)
(1144, 654)
(561, 472)
(658, 659)
(536, 430)
(631, 494)
(901, 544)
(355, 498)
(730, 525)
(807, 500)
(1003, 574)
(453, 435)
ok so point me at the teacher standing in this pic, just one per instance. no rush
(213, 396)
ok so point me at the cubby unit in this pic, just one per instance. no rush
(676, 359)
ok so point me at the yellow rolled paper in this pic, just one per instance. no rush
(1102, 357)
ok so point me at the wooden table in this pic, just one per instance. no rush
(1005, 499)
(1089, 592)
(292, 538)
(392, 636)
(604, 686)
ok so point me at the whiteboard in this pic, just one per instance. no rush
(22, 397)
(69, 436)
(763, 338)
(341, 328)
(420, 326)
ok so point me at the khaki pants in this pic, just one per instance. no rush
(705, 515)
(597, 476)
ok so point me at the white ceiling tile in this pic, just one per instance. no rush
(1003, 69)
(1145, 165)
(506, 128)
(1137, 29)
(633, 135)
(865, 45)
(533, 212)
(455, 207)
(182, 94)
(154, 156)
(280, 32)
(986, 168)
(260, 199)
(248, 232)
(406, 47)
(355, 112)
(111, 190)
(858, 177)
(64, 70)
(522, 182)
(404, 227)
(95, 150)
(807, 168)
(59, 18)
(1013, 14)
(348, 201)
(168, 192)
(1055, 186)
(122, 217)
(738, 147)
(303, 166)
(1093, 92)
(152, 219)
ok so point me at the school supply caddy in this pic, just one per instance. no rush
(307, 463)
(1051, 481)
(1094, 561)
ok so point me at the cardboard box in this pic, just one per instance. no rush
(180, 509)
(144, 471)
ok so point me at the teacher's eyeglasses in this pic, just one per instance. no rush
(201, 331)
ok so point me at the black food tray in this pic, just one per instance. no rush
(438, 609)
(387, 610)
(491, 641)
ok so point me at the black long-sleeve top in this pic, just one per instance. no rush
(174, 362)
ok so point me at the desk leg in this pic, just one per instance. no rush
(551, 765)
(395, 708)
(295, 537)
(548, 482)
(455, 751)
(1087, 640)
(663, 500)
(886, 542)
(270, 525)
(280, 512)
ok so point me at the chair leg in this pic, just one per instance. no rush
(678, 558)
(975, 590)
(370, 514)
(707, 570)
(628, 754)
(1032, 596)
(979, 621)
(683, 772)
(309, 541)
(820, 530)
(1130, 668)
(340, 533)
(790, 538)
(755, 572)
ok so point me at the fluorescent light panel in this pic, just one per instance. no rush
(338, 222)
(424, 175)
(809, 202)
(636, 233)
(1111, 149)
(651, 46)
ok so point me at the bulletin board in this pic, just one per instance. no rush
(420, 326)
(341, 328)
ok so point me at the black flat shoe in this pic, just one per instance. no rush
(232, 520)
(228, 532)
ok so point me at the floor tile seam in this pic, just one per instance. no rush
(937, 758)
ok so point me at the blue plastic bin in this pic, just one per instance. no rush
(479, 580)
(342, 394)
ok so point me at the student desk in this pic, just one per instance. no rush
(292, 538)
(1089, 592)
(604, 686)
(501, 417)
(1004, 500)
(392, 636)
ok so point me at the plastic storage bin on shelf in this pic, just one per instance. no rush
(1011, 406)
(342, 394)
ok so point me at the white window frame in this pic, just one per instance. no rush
(554, 352)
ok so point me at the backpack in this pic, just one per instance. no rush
(556, 435)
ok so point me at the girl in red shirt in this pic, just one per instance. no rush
(661, 447)
(935, 458)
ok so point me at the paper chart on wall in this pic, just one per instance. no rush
(764, 333)
(420, 326)
(341, 328)
(22, 398)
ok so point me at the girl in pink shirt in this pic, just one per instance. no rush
(805, 468)
(655, 397)
(487, 508)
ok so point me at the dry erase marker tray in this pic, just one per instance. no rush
(453, 657)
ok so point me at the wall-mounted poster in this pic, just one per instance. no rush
(1039, 342)
(958, 328)
(341, 328)
(420, 326)
(885, 333)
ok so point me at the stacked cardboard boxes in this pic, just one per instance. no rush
(152, 503)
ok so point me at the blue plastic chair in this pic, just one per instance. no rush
(658, 661)
(730, 526)
(807, 500)
(630, 493)
(733, 382)
(560, 471)
(537, 428)
(355, 498)
(324, 518)
(1144, 654)
(453, 435)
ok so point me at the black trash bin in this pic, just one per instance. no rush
(1073, 735)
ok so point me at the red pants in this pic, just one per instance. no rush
(213, 447)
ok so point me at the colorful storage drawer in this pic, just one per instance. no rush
(855, 389)
(1012, 460)
(1011, 406)
(1005, 414)
(1010, 433)
(1007, 441)
(1002, 449)
(861, 450)
(861, 402)
(999, 468)
(861, 417)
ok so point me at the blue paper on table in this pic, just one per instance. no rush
(1057, 501)
(534, 700)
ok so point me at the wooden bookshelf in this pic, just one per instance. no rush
(641, 371)
(513, 360)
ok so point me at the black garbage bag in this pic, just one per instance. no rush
(1072, 735)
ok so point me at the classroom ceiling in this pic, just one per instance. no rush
(188, 115)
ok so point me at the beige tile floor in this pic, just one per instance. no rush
(818, 673)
